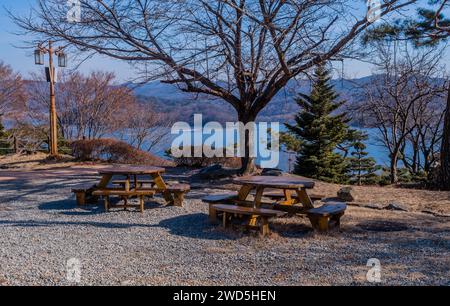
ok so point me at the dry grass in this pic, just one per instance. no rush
(416, 200)
(38, 161)
(437, 202)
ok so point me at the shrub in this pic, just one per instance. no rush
(114, 151)
(200, 162)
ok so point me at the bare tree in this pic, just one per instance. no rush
(242, 51)
(12, 90)
(143, 126)
(87, 106)
(420, 151)
(400, 100)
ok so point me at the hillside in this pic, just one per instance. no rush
(168, 98)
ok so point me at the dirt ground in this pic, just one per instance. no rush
(178, 246)
(416, 200)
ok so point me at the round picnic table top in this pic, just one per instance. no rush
(278, 182)
(131, 170)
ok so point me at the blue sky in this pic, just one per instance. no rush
(22, 61)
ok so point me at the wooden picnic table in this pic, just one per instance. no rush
(131, 174)
(288, 184)
(322, 218)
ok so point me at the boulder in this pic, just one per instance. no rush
(346, 194)
(272, 172)
(213, 172)
(396, 206)
(210, 169)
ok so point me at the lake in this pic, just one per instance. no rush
(287, 161)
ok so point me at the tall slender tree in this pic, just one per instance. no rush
(320, 130)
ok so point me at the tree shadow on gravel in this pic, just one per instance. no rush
(194, 226)
(37, 223)
(69, 207)
(293, 230)
(191, 226)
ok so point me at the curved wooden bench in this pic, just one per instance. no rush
(84, 196)
(213, 199)
(220, 198)
(141, 194)
(262, 213)
(177, 190)
(327, 216)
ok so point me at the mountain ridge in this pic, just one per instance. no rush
(169, 99)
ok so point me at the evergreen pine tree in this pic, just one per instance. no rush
(362, 168)
(320, 131)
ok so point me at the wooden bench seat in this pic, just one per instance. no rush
(327, 216)
(263, 214)
(220, 198)
(177, 190)
(213, 199)
(279, 196)
(84, 196)
(140, 183)
(141, 194)
(121, 192)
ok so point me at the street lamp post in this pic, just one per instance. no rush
(62, 62)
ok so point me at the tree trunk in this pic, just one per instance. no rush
(394, 174)
(16, 145)
(444, 171)
(248, 162)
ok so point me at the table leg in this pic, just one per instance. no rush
(258, 197)
(128, 183)
(162, 185)
(304, 198)
(288, 200)
(257, 204)
(104, 181)
(136, 183)
(244, 192)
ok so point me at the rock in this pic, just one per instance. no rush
(367, 205)
(373, 206)
(345, 194)
(396, 206)
(213, 172)
(272, 172)
(211, 169)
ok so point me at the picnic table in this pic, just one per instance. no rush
(294, 190)
(288, 185)
(133, 184)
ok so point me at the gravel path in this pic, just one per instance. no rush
(41, 229)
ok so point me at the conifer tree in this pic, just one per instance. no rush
(361, 167)
(320, 128)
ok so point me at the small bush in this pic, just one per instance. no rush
(200, 162)
(114, 151)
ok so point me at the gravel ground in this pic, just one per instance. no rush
(41, 229)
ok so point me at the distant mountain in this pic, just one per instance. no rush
(168, 98)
